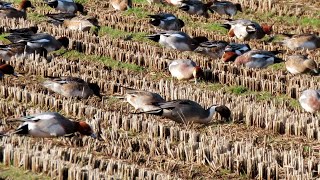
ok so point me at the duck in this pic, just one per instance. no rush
(213, 49)
(166, 21)
(297, 64)
(7, 69)
(257, 59)
(185, 69)
(67, 6)
(143, 100)
(121, 5)
(38, 40)
(187, 111)
(233, 50)
(226, 7)
(4, 4)
(51, 124)
(177, 40)
(8, 12)
(310, 100)
(19, 49)
(302, 41)
(244, 29)
(196, 7)
(71, 87)
(73, 22)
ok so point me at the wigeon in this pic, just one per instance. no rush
(297, 64)
(45, 40)
(303, 41)
(68, 6)
(187, 111)
(310, 100)
(234, 50)
(196, 7)
(257, 59)
(226, 7)
(177, 2)
(177, 40)
(143, 100)
(214, 49)
(51, 124)
(245, 29)
(73, 22)
(166, 21)
(185, 69)
(121, 5)
(18, 49)
(16, 13)
(6, 69)
(72, 87)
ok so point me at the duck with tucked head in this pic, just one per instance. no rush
(67, 6)
(310, 100)
(185, 69)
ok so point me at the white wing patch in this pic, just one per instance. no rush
(41, 41)
(260, 56)
(178, 35)
(170, 18)
(44, 116)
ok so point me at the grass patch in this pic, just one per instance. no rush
(118, 34)
(137, 12)
(3, 39)
(36, 17)
(73, 54)
(19, 174)
(277, 66)
(81, 1)
(237, 89)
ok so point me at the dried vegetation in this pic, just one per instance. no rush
(270, 137)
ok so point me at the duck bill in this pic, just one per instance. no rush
(15, 74)
(94, 136)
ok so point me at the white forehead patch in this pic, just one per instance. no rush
(44, 116)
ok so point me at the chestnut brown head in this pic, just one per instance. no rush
(266, 28)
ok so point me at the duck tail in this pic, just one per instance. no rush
(154, 37)
(226, 26)
(21, 130)
(278, 60)
(276, 52)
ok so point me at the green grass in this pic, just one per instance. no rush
(19, 174)
(73, 54)
(277, 66)
(36, 17)
(237, 90)
(137, 12)
(81, 1)
(3, 39)
(117, 34)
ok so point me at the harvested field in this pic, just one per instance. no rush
(270, 136)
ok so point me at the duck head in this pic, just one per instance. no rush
(84, 129)
(266, 28)
(229, 56)
(197, 73)
(224, 112)
(95, 88)
(25, 4)
(64, 41)
(7, 69)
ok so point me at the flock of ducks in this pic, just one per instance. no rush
(50, 124)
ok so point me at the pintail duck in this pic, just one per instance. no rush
(72, 22)
(302, 41)
(6, 69)
(72, 87)
(226, 7)
(297, 64)
(185, 69)
(257, 59)
(143, 100)
(44, 40)
(310, 100)
(234, 50)
(51, 124)
(6, 12)
(166, 21)
(121, 5)
(196, 7)
(187, 111)
(177, 40)
(245, 29)
(213, 49)
(18, 49)
(68, 6)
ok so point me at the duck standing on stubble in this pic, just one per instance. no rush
(121, 5)
(187, 111)
(177, 40)
(226, 7)
(51, 124)
(196, 7)
(302, 41)
(72, 87)
(297, 64)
